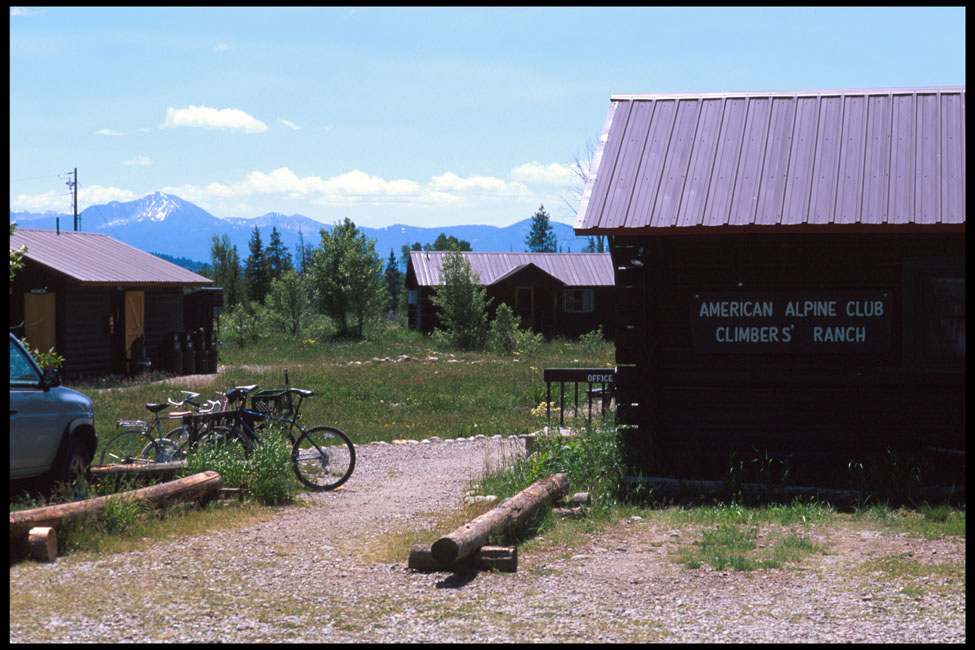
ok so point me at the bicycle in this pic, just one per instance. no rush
(323, 457)
(137, 444)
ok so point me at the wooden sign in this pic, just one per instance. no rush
(808, 322)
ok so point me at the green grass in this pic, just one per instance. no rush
(929, 522)
(435, 393)
(740, 548)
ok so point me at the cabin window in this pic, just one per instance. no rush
(411, 297)
(578, 300)
(934, 314)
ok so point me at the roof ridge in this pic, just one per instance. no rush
(788, 93)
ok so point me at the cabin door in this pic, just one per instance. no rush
(135, 302)
(39, 327)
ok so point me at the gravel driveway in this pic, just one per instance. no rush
(299, 577)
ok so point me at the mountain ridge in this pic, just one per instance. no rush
(167, 224)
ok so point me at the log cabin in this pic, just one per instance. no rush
(790, 278)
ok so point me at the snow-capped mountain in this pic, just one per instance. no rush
(156, 207)
(165, 223)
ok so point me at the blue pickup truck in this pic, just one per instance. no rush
(52, 428)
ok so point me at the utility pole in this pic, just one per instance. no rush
(73, 184)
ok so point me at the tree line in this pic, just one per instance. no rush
(343, 282)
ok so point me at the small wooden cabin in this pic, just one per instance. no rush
(554, 294)
(790, 277)
(91, 297)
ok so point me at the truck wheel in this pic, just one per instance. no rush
(71, 470)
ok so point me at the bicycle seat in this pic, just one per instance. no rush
(155, 408)
(302, 391)
(238, 393)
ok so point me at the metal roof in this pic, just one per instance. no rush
(573, 269)
(839, 160)
(93, 259)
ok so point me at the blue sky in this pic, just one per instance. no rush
(428, 117)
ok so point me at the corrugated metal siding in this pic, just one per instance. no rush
(574, 269)
(94, 259)
(890, 157)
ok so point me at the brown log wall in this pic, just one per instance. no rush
(691, 405)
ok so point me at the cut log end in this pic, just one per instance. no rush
(445, 551)
(43, 543)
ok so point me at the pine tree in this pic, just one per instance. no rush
(256, 272)
(225, 265)
(278, 257)
(394, 281)
(541, 237)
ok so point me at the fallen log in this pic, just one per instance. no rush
(507, 515)
(140, 470)
(569, 513)
(203, 486)
(486, 558)
(578, 499)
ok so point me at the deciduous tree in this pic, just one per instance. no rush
(462, 304)
(348, 278)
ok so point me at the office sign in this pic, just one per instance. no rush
(808, 322)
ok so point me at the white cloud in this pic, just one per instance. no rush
(19, 11)
(96, 195)
(221, 47)
(554, 174)
(139, 160)
(59, 201)
(450, 182)
(290, 124)
(108, 132)
(356, 187)
(212, 118)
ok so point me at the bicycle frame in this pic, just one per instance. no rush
(237, 419)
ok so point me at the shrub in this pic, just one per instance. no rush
(591, 460)
(503, 336)
(528, 343)
(594, 343)
(462, 305)
(266, 473)
(271, 477)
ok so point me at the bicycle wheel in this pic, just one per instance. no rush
(131, 447)
(177, 442)
(323, 458)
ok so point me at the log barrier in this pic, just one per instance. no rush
(203, 486)
(507, 515)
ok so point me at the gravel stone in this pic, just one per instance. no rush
(300, 577)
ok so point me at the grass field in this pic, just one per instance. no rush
(415, 393)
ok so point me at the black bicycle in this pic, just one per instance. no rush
(141, 442)
(323, 457)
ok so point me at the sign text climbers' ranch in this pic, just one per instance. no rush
(783, 321)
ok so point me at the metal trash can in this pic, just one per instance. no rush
(139, 363)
